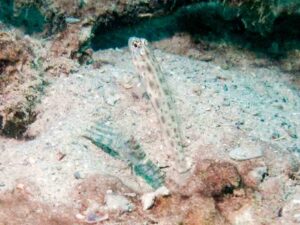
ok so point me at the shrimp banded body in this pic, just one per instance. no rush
(158, 90)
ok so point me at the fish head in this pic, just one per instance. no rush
(138, 47)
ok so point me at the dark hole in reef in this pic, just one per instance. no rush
(209, 22)
(227, 190)
(1, 121)
(31, 19)
(213, 22)
(19, 115)
(16, 119)
(6, 10)
(28, 17)
(285, 25)
(285, 35)
(264, 176)
(116, 33)
(3, 64)
(18, 124)
(14, 130)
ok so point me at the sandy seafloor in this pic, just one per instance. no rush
(247, 107)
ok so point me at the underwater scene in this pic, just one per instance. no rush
(141, 112)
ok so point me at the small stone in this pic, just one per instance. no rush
(238, 124)
(20, 186)
(92, 206)
(259, 173)
(255, 176)
(31, 161)
(193, 53)
(297, 218)
(226, 102)
(132, 195)
(58, 167)
(225, 87)
(72, 20)
(118, 202)
(245, 153)
(112, 99)
(106, 79)
(94, 218)
(291, 209)
(127, 82)
(60, 156)
(148, 200)
(206, 58)
(225, 66)
(245, 215)
(239, 192)
(162, 191)
(77, 175)
(197, 91)
(275, 135)
(79, 216)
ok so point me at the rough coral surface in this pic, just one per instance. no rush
(14, 54)
(53, 87)
(16, 59)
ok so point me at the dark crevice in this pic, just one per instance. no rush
(117, 32)
(1, 122)
(226, 191)
(3, 64)
(209, 22)
(28, 17)
(16, 126)
(15, 121)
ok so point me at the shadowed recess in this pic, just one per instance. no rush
(23, 114)
(117, 32)
(28, 17)
(209, 21)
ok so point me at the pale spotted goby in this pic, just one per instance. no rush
(155, 83)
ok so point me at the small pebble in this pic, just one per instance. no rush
(238, 124)
(60, 156)
(31, 160)
(94, 218)
(226, 102)
(225, 88)
(112, 99)
(118, 202)
(58, 168)
(77, 175)
(79, 216)
(148, 199)
(275, 135)
(245, 153)
(20, 186)
(258, 174)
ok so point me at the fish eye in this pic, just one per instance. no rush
(136, 44)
